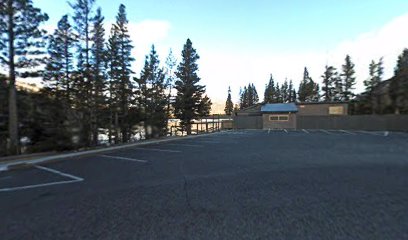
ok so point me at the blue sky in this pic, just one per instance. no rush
(244, 41)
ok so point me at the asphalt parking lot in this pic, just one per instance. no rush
(249, 184)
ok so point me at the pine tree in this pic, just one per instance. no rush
(348, 79)
(338, 87)
(121, 61)
(229, 106)
(294, 96)
(60, 62)
(329, 78)
(171, 63)
(113, 71)
(374, 79)
(315, 96)
(98, 72)
(83, 10)
(303, 86)
(243, 98)
(151, 91)
(254, 93)
(398, 89)
(190, 102)
(308, 89)
(269, 91)
(284, 91)
(57, 79)
(291, 97)
(21, 47)
(278, 94)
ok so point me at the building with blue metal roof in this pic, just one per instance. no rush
(285, 115)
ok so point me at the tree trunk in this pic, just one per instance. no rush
(13, 117)
(188, 128)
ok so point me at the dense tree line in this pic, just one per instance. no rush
(379, 97)
(248, 96)
(89, 86)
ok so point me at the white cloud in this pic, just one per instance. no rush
(238, 69)
(143, 35)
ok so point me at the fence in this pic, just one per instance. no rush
(355, 122)
(205, 125)
(248, 122)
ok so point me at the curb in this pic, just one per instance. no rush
(18, 163)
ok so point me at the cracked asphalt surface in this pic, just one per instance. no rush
(229, 185)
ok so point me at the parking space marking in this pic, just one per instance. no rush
(74, 179)
(124, 158)
(157, 150)
(58, 172)
(372, 133)
(286, 131)
(304, 130)
(325, 131)
(207, 141)
(348, 132)
(184, 145)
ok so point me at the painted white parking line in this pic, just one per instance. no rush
(206, 141)
(325, 131)
(59, 173)
(286, 131)
(304, 130)
(75, 179)
(124, 158)
(184, 145)
(158, 150)
(348, 132)
(373, 133)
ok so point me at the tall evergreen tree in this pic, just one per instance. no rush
(302, 91)
(83, 16)
(120, 72)
(113, 71)
(21, 47)
(308, 89)
(243, 98)
(375, 77)
(57, 79)
(59, 65)
(269, 91)
(329, 78)
(291, 97)
(229, 106)
(171, 63)
(278, 94)
(338, 87)
(190, 102)
(398, 89)
(152, 95)
(284, 91)
(254, 94)
(98, 72)
(348, 79)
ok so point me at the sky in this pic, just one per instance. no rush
(241, 42)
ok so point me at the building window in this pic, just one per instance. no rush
(279, 118)
(336, 110)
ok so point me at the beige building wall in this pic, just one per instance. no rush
(323, 109)
(270, 121)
